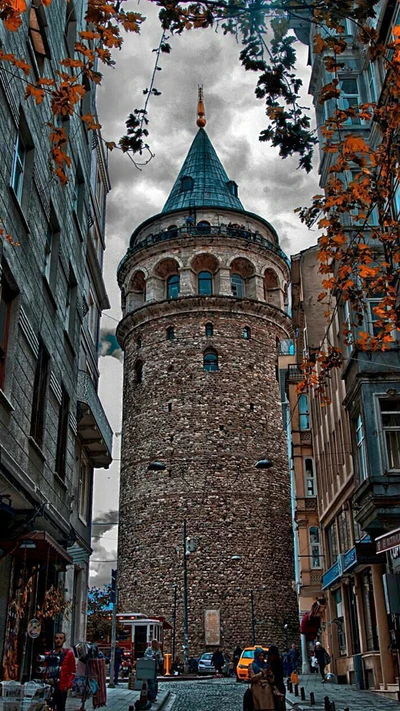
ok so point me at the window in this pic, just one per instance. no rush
(339, 619)
(361, 449)
(139, 371)
(38, 45)
(209, 329)
(204, 280)
(70, 305)
(347, 323)
(170, 333)
(39, 394)
(309, 475)
(332, 543)
(237, 285)
(187, 183)
(344, 531)
(84, 488)
(315, 547)
(232, 187)
(70, 29)
(62, 434)
(304, 414)
(390, 416)
(350, 98)
(6, 299)
(373, 317)
(51, 252)
(18, 168)
(173, 286)
(93, 317)
(79, 195)
(210, 361)
(371, 81)
(247, 333)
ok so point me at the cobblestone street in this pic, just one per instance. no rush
(206, 695)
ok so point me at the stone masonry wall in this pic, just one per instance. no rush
(209, 428)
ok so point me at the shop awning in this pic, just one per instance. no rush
(38, 546)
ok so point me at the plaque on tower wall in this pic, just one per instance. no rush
(212, 634)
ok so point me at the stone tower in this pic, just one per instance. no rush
(203, 290)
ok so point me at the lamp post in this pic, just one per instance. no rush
(185, 605)
(253, 621)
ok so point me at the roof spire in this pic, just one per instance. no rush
(201, 120)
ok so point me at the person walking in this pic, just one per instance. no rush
(63, 672)
(154, 652)
(276, 666)
(218, 661)
(235, 658)
(294, 657)
(119, 656)
(261, 680)
(323, 659)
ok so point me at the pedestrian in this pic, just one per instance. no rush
(323, 659)
(235, 658)
(119, 656)
(63, 672)
(287, 665)
(275, 663)
(218, 661)
(261, 680)
(154, 652)
(294, 657)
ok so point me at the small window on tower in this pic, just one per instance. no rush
(247, 333)
(209, 329)
(187, 183)
(170, 333)
(232, 187)
(139, 371)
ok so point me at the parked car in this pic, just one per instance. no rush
(206, 667)
(246, 658)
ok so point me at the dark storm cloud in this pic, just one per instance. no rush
(105, 522)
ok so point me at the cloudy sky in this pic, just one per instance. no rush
(268, 185)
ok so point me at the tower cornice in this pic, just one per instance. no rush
(203, 306)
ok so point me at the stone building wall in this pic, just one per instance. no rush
(209, 428)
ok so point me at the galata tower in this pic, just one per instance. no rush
(204, 286)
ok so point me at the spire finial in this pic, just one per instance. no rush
(201, 120)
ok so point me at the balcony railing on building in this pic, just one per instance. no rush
(308, 503)
(94, 429)
(294, 373)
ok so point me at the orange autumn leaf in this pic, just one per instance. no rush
(36, 92)
(90, 122)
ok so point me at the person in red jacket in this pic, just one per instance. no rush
(66, 671)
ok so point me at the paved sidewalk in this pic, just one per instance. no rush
(120, 699)
(344, 696)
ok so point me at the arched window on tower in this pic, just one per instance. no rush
(309, 477)
(173, 286)
(315, 546)
(247, 333)
(139, 371)
(204, 227)
(209, 329)
(210, 360)
(237, 285)
(204, 280)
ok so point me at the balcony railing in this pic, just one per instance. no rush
(308, 503)
(294, 373)
(93, 427)
(189, 231)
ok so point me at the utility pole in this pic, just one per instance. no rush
(185, 604)
(114, 599)
(253, 622)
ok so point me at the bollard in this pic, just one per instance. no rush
(302, 693)
(332, 706)
(327, 704)
(167, 658)
(346, 709)
(312, 698)
(287, 683)
(296, 689)
(290, 687)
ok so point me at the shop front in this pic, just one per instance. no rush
(36, 602)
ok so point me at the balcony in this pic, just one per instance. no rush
(94, 430)
(306, 504)
(294, 373)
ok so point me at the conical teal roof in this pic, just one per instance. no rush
(202, 181)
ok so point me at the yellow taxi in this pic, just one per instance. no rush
(246, 658)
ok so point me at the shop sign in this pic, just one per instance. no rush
(34, 628)
(333, 573)
(388, 541)
(212, 625)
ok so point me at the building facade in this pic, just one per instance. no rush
(53, 430)
(204, 290)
